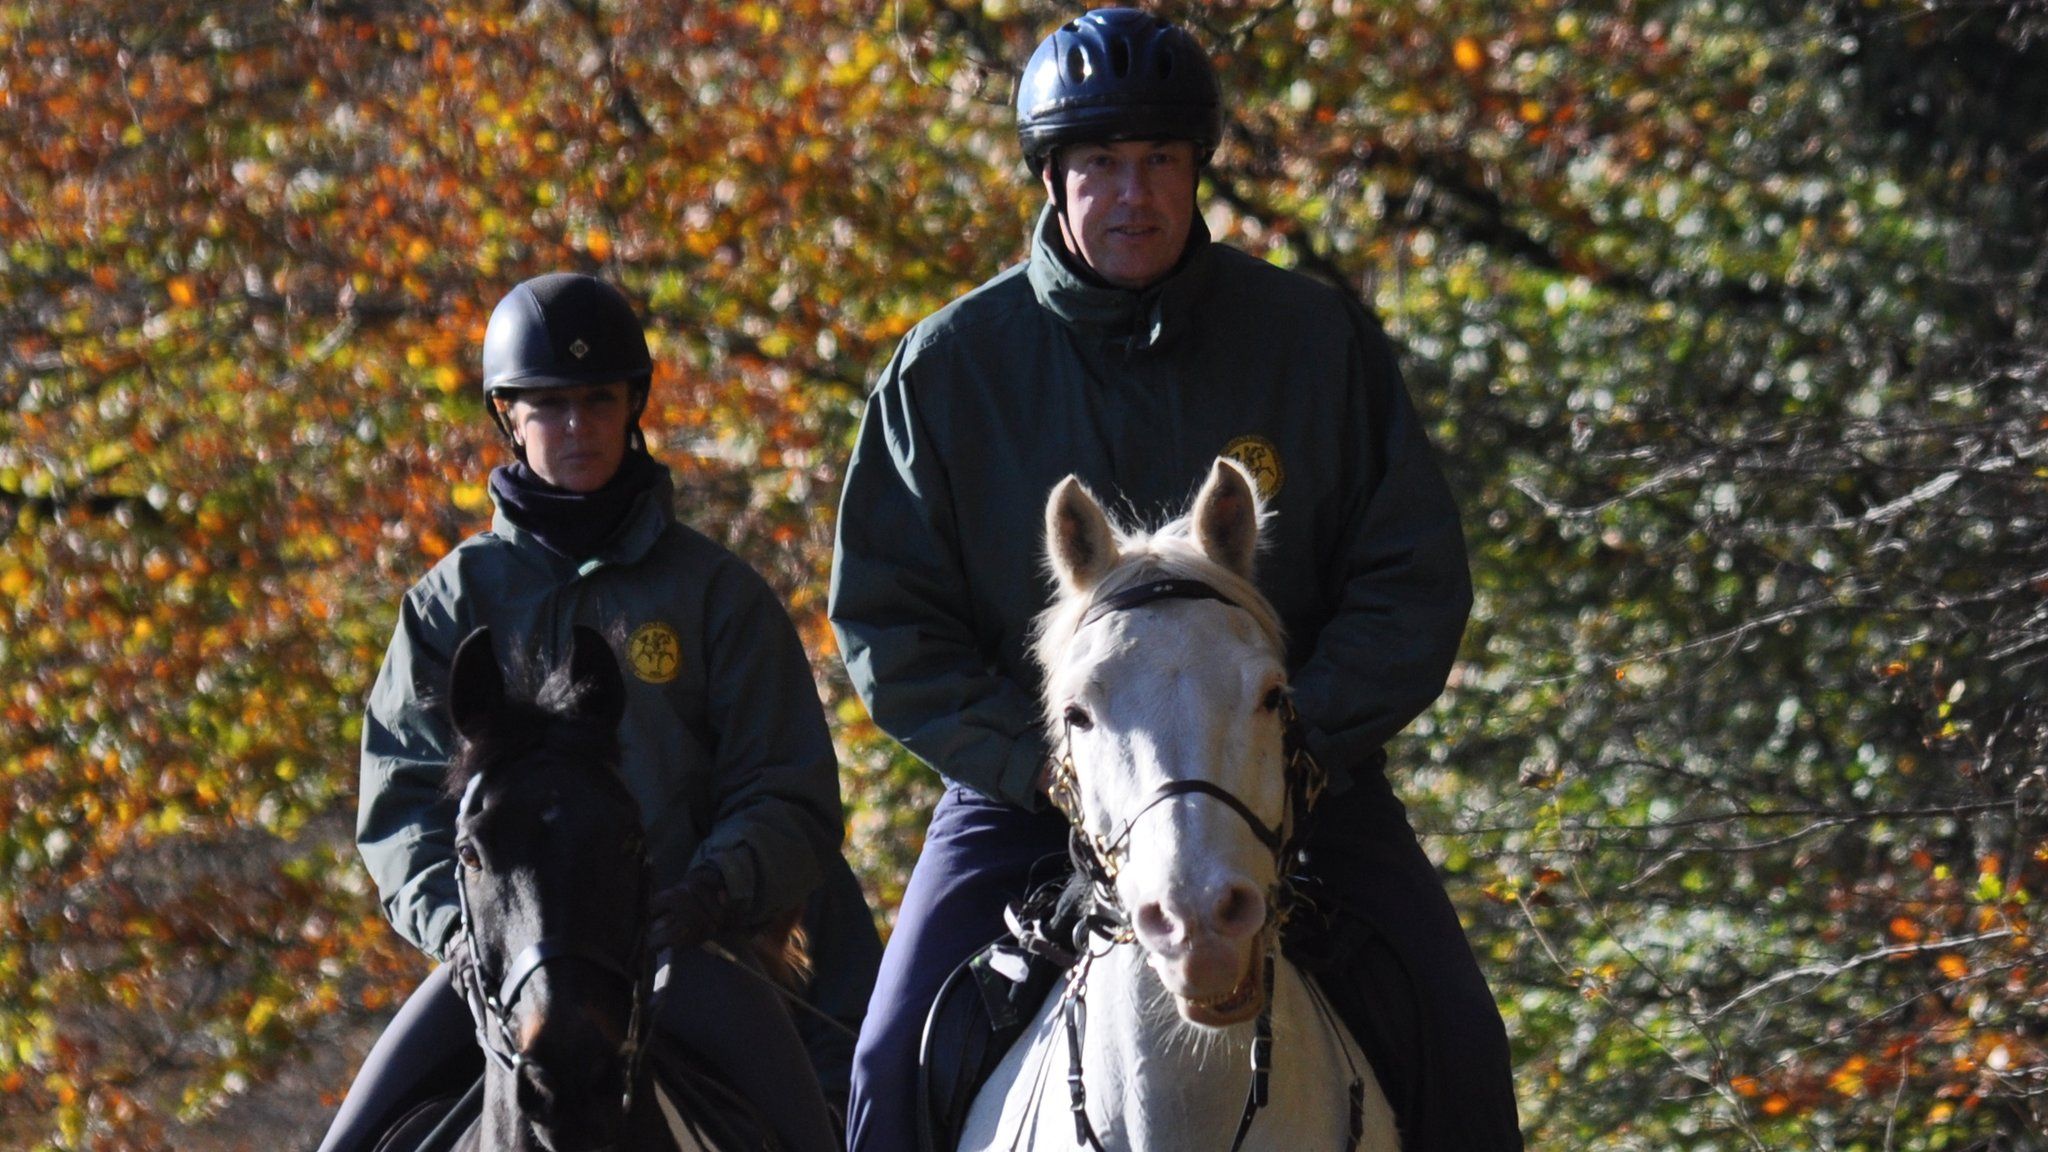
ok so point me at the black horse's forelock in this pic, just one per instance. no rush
(539, 718)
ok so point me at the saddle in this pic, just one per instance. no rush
(983, 1007)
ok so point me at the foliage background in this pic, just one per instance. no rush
(1728, 315)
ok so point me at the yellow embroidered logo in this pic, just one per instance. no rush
(1262, 460)
(655, 652)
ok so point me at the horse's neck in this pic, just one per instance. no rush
(653, 1125)
(1156, 1083)
(500, 1128)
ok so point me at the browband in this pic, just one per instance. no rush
(1136, 594)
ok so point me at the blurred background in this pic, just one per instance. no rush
(1729, 318)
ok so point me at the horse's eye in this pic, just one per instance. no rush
(1275, 697)
(466, 852)
(632, 847)
(1077, 717)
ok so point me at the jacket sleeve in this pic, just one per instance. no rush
(1405, 591)
(775, 779)
(899, 606)
(405, 825)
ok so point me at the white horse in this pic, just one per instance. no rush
(1165, 685)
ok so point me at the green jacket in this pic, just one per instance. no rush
(1038, 373)
(724, 740)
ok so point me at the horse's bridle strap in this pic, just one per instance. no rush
(1150, 590)
(1266, 834)
(541, 953)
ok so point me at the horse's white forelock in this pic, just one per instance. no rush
(1170, 552)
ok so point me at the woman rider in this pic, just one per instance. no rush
(724, 741)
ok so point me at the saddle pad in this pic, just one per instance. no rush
(980, 1011)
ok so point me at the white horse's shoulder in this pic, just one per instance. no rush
(1025, 1104)
(1002, 1119)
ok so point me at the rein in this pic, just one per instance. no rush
(1099, 860)
(492, 1009)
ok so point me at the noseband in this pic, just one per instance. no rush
(1099, 860)
(492, 1009)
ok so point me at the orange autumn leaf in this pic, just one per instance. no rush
(1468, 55)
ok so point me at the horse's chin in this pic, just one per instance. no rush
(1234, 1007)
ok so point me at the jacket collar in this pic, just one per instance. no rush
(650, 515)
(1140, 318)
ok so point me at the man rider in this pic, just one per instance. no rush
(1131, 350)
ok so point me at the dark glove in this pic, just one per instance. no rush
(689, 913)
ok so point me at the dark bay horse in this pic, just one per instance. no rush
(554, 882)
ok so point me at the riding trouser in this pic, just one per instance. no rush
(1398, 968)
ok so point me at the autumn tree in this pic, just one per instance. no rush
(1727, 317)
(248, 251)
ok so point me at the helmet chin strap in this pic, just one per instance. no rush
(1055, 167)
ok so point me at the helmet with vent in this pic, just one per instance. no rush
(1117, 74)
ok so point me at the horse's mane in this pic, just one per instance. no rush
(539, 716)
(1168, 552)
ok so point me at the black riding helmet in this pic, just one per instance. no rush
(561, 330)
(1117, 74)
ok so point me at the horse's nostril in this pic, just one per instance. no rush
(1240, 911)
(1154, 923)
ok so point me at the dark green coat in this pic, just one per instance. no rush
(992, 400)
(724, 741)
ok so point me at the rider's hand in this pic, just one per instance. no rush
(689, 913)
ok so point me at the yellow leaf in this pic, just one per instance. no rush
(259, 1015)
(1848, 1079)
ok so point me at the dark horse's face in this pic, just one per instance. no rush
(553, 875)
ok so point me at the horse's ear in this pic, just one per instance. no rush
(601, 695)
(1226, 517)
(476, 686)
(1078, 538)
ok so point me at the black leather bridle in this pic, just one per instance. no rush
(492, 1008)
(1098, 859)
